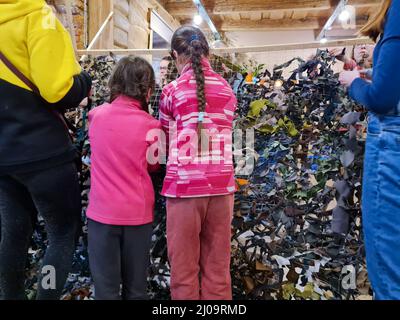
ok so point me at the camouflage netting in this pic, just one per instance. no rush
(296, 231)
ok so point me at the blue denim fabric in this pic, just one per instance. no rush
(381, 205)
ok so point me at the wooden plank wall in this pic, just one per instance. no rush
(131, 24)
(130, 27)
(98, 13)
(77, 16)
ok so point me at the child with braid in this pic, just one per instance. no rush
(197, 112)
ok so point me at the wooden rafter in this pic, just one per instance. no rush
(227, 7)
(245, 6)
(364, 3)
(164, 14)
(330, 21)
(269, 24)
(277, 25)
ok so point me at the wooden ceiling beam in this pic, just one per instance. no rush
(278, 25)
(269, 24)
(164, 14)
(227, 7)
(364, 3)
(247, 6)
(222, 7)
(339, 6)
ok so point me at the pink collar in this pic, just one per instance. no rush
(204, 62)
(125, 101)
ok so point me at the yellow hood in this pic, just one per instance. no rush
(42, 52)
(13, 9)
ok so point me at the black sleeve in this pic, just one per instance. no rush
(79, 91)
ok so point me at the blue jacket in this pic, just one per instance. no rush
(383, 94)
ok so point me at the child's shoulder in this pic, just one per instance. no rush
(150, 120)
(98, 110)
(219, 77)
(170, 87)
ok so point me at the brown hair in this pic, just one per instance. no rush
(375, 26)
(167, 58)
(132, 77)
(172, 71)
(190, 42)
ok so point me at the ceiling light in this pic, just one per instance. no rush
(344, 15)
(324, 40)
(198, 20)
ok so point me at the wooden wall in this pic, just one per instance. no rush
(77, 16)
(98, 13)
(131, 24)
(130, 27)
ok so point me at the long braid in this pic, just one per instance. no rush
(190, 42)
(200, 82)
(201, 95)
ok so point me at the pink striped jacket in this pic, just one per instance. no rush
(189, 173)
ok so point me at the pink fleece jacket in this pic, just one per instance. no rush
(211, 173)
(121, 188)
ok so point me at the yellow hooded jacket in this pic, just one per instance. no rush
(27, 27)
(35, 42)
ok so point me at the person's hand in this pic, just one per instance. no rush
(336, 52)
(84, 103)
(366, 74)
(346, 78)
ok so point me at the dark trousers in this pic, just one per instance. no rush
(54, 194)
(119, 255)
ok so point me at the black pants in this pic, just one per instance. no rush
(119, 255)
(54, 194)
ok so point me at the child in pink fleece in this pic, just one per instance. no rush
(121, 202)
(197, 111)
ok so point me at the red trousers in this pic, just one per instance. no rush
(199, 247)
